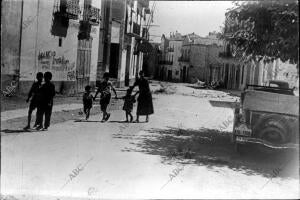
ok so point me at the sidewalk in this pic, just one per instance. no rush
(16, 107)
(11, 114)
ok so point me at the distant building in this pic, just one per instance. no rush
(169, 67)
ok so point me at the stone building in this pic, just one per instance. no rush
(200, 58)
(169, 68)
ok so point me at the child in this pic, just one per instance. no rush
(87, 101)
(129, 100)
(105, 90)
(45, 108)
(34, 94)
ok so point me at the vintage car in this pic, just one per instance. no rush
(267, 116)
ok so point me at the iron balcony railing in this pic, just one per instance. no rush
(67, 8)
(92, 15)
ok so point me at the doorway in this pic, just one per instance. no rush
(114, 60)
(83, 64)
(127, 69)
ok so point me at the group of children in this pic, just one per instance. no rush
(105, 89)
(41, 98)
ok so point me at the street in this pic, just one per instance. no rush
(183, 152)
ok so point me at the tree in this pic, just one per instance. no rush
(264, 30)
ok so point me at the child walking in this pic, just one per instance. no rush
(129, 100)
(105, 90)
(35, 96)
(87, 101)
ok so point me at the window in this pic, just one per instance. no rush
(177, 72)
(60, 42)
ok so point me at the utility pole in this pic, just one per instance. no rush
(104, 39)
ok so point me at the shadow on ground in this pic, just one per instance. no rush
(211, 148)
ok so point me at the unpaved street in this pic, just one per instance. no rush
(183, 152)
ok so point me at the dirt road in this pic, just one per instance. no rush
(183, 152)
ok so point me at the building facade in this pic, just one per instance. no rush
(67, 38)
(169, 67)
(125, 23)
(60, 36)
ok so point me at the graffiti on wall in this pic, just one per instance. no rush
(10, 89)
(61, 67)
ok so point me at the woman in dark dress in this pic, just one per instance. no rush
(145, 104)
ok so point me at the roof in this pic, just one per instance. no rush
(176, 36)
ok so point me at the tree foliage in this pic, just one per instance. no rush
(264, 29)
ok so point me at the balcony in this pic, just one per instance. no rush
(165, 62)
(92, 15)
(67, 8)
(183, 59)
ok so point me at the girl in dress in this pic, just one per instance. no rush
(129, 100)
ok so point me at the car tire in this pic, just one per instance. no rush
(275, 124)
(278, 132)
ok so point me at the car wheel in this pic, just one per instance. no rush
(274, 135)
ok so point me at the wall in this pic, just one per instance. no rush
(176, 45)
(11, 12)
(279, 70)
(40, 51)
(95, 47)
(198, 60)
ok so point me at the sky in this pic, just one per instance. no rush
(200, 17)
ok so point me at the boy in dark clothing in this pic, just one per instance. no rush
(45, 108)
(87, 101)
(105, 90)
(35, 96)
